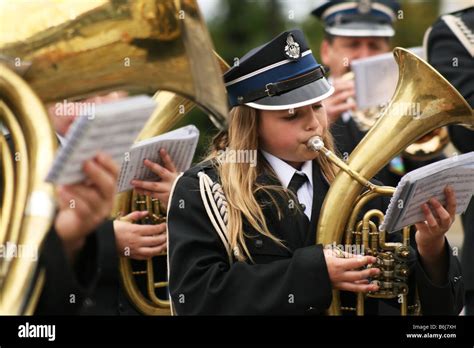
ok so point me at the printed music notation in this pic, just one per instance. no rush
(112, 130)
(418, 186)
(180, 144)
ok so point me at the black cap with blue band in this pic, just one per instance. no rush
(279, 75)
(362, 18)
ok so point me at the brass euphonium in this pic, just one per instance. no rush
(75, 49)
(440, 105)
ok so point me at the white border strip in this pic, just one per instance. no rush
(351, 5)
(292, 106)
(388, 32)
(340, 7)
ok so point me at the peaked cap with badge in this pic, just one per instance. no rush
(281, 74)
(362, 18)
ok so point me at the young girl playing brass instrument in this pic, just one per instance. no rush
(257, 254)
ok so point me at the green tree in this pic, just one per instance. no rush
(244, 24)
(413, 20)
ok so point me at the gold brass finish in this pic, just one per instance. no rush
(429, 146)
(97, 46)
(425, 148)
(440, 105)
(28, 202)
(75, 49)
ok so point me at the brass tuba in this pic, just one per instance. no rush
(27, 202)
(75, 49)
(440, 104)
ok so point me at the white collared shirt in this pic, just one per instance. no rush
(285, 173)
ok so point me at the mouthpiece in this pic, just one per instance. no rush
(315, 143)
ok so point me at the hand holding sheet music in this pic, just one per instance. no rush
(112, 130)
(180, 144)
(418, 186)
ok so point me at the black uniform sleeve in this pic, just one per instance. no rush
(107, 257)
(68, 286)
(104, 297)
(202, 281)
(446, 299)
(447, 55)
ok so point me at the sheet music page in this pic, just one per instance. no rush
(376, 78)
(180, 144)
(418, 186)
(112, 130)
(395, 207)
(462, 181)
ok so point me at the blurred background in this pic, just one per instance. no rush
(236, 26)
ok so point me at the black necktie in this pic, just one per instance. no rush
(296, 182)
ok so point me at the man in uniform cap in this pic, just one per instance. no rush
(355, 30)
(450, 49)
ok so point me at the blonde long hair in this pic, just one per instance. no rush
(238, 180)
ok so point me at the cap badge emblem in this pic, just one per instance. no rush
(365, 6)
(292, 48)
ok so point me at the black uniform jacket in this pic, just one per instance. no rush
(281, 281)
(443, 46)
(69, 287)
